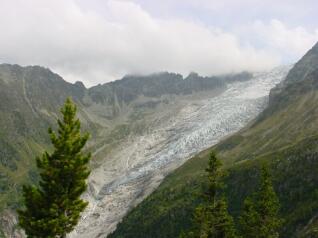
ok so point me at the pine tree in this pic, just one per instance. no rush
(249, 219)
(224, 222)
(211, 219)
(260, 218)
(216, 222)
(268, 207)
(53, 208)
(215, 176)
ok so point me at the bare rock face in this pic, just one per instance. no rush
(297, 76)
(8, 224)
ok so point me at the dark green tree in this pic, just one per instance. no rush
(53, 208)
(260, 215)
(211, 218)
(249, 219)
(215, 176)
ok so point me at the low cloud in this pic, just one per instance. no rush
(292, 42)
(100, 46)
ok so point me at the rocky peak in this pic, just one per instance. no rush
(305, 66)
(298, 81)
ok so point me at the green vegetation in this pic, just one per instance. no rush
(22, 126)
(211, 218)
(259, 217)
(11, 180)
(53, 208)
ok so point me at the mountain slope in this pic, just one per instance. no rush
(29, 102)
(30, 98)
(179, 130)
(285, 136)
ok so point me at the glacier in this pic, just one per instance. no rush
(134, 169)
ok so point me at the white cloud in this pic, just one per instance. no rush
(275, 36)
(294, 41)
(96, 47)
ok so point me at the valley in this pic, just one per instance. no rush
(137, 125)
(158, 119)
(133, 169)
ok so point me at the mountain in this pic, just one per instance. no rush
(30, 99)
(170, 136)
(284, 136)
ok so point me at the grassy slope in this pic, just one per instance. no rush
(27, 110)
(284, 136)
(166, 212)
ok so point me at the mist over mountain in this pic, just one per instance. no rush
(112, 112)
(145, 126)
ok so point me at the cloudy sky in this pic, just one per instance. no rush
(96, 41)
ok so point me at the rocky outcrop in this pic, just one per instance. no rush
(8, 225)
(302, 70)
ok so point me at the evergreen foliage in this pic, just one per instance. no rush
(215, 175)
(248, 219)
(259, 218)
(211, 219)
(53, 208)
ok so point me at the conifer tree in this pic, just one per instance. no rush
(53, 208)
(224, 222)
(215, 176)
(211, 219)
(249, 219)
(260, 218)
